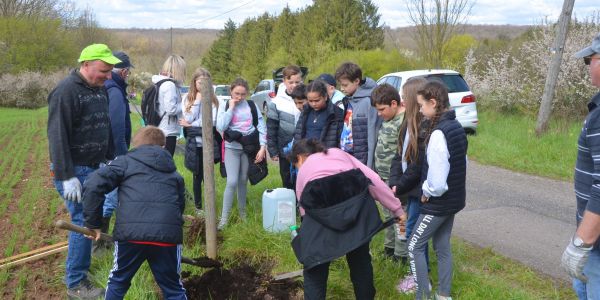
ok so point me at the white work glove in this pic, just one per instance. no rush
(72, 189)
(574, 259)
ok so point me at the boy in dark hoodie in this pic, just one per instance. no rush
(149, 215)
(359, 133)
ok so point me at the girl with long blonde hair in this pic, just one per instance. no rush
(405, 172)
(171, 77)
(192, 126)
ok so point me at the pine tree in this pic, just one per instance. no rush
(218, 59)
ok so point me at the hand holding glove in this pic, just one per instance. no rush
(574, 259)
(72, 189)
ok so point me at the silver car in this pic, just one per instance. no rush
(265, 90)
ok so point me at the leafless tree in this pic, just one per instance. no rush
(436, 21)
(27, 8)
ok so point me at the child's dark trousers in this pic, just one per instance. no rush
(164, 261)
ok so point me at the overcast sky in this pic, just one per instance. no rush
(213, 14)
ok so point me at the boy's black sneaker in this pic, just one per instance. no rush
(388, 252)
(85, 290)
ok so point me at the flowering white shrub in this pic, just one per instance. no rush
(514, 80)
(28, 89)
(138, 81)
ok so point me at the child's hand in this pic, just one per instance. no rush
(233, 102)
(262, 153)
(402, 219)
(394, 190)
(424, 199)
(94, 238)
(184, 123)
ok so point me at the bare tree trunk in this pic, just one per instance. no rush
(436, 21)
(209, 169)
(554, 68)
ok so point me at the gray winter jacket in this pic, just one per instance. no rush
(282, 116)
(364, 119)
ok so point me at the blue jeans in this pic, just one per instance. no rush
(80, 247)
(413, 212)
(591, 289)
(110, 201)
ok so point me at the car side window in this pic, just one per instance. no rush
(394, 81)
(260, 87)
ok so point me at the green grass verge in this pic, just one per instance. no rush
(478, 273)
(509, 141)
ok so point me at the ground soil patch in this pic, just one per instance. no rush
(242, 281)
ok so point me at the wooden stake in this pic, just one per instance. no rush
(32, 252)
(207, 94)
(34, 257)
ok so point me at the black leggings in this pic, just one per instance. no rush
(361, 275)
(198, 178)
(170, 144)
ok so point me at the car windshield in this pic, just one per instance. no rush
(222, 91)
(454, 82)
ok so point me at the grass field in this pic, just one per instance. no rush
(509, 141)
(29, 205)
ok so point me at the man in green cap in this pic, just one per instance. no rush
(79, 139)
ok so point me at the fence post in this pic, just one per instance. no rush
(207, 95)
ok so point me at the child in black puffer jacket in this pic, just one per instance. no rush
(149, 215)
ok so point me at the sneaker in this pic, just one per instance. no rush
(407, 285)
(85, 290)
(438, 297)
(388, 252)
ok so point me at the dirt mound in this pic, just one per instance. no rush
(240, 282)
(196, 232)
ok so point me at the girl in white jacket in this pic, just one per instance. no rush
(169, 98)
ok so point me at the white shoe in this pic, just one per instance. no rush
(438, 297)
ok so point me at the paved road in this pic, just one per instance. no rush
(523, 217)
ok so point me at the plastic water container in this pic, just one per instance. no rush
(279, 209)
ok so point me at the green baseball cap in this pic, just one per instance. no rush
(98, 52)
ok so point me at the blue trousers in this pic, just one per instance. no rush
(110, 201)
(165, 263)
(80, 248)
(413, 211)
(591, 289)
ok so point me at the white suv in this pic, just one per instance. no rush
(462, 99)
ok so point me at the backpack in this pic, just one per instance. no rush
(150, 104)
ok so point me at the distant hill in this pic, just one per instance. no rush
(148, 48)
(402, 36)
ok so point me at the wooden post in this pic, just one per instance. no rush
(207, 94)
(554, 68)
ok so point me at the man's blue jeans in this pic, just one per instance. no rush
(110, 201)
(80, 247)
(591, 289)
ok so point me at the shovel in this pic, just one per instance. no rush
(204, 262)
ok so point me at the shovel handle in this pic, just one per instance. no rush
(103, 236)
(86, 231)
